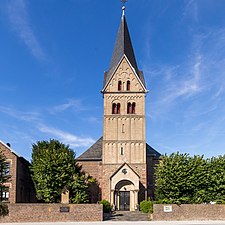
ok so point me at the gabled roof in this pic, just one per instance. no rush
(8, 147)
(94, 153)
(122, 167)
(123, 46)
(151, 151)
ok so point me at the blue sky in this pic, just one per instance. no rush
(53, 54)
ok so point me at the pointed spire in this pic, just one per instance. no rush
(123, 46)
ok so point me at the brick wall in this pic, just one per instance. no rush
(94, 169)
(51, 213)
(152, 161)
(25, 192)
(189, 212)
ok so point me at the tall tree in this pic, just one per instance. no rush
(181, 178)
(54, 167)
(217, 179)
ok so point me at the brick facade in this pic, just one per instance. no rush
(94, 169)
(21, 188)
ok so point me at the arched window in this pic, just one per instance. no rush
(119, 85)
(115, 108)
(133, 107)
(118, 108)
(129, 108)
(128, 85)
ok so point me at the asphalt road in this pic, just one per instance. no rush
(126, 223)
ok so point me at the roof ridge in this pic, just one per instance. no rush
(5, 145)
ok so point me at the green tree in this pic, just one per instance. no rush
(4, 177)
(181, 178)
(217, 179)
(54, 167)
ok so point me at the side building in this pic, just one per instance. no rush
(121, 161)
(20, 188)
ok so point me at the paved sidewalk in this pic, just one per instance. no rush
(127, 216)
(126, 223)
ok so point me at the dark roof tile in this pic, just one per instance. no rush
(123, 46)
(93, 153)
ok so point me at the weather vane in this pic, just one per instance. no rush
(123, 7)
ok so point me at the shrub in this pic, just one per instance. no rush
(106, 206)
(219, 201)
(3, 209)
(146, 206)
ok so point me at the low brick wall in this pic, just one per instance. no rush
(51, 213)
(189, 212)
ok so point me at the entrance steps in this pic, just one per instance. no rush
(127, 216)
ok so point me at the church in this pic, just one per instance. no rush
(121, 161)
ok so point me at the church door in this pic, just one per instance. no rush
(124, 200)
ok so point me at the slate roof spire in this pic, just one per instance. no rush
(123, 46)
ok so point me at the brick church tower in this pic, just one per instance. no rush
(121, 161)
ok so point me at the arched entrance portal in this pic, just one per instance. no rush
(124, 188)
(124, 195)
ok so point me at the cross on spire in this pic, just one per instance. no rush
(123, 2)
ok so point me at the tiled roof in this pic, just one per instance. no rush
(95, 152)
(123, 46)
(151, 151)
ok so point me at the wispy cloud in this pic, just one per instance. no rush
(188, 85)
(74, 104)
(35, 120)
(191, 10)
(95, 120)
(19, 18)
(201, 74)
(187, 104)
(21, 115)
(72, 140)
